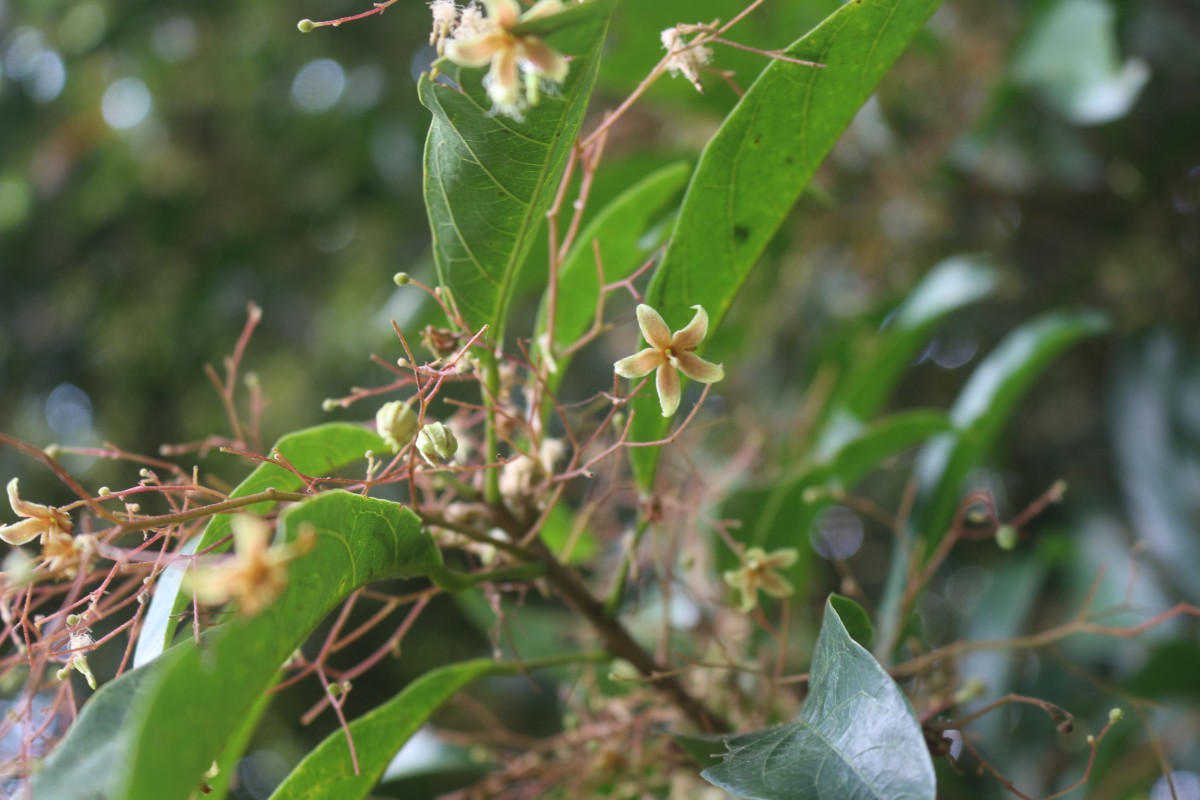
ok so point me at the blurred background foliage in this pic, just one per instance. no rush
(163, 164)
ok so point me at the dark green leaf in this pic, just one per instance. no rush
(755, 167)
(855, 737)
(490, 179)
(857, 623)
(320, 450)
(158, 728)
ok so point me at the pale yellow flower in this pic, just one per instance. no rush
(256, 575)
(37, 520)
(759, 572)
(491, 42)
(670, 354)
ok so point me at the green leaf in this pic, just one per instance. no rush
(489, 180)
(854, 617)
(755, 167)
(328, 771)
(320, 450)
(875, 366)
(157, 729)
(620, 233)
(984, 406)
(855, 737)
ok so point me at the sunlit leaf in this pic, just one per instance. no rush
(489, 179)
(856, 736)
(755, 167)
(320, 450)
(155, 730)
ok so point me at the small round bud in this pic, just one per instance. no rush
(329, 404)
(401, 279)
(305, 26)
(73, 619)
(104, 491)
(133, 508)
(436, 442)
(1116, 715)
(1091, 740)
(145, 473)
(251, 380)
(1006, 537)
(396, 423)
(53, 450)
(1058, 490)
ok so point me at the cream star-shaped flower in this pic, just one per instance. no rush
(670, 354)
(38, 520)
(508, 54)
(759, 572)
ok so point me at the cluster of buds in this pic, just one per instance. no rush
(518, 63)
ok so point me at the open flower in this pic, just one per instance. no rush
(37, 520)
(670, 354)
(491, 41)
(256, 575)
(759, 572)
(684, 57)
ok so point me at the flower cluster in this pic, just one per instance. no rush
(62, 552)
(518, 63)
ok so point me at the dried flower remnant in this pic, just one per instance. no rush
(490, 42)
(685, 58)
(257, 573)
(670, 354)
(759, 571)
(78, 643)
(445, 15)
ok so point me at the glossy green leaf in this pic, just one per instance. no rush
(877, 363)
(320, 450)
(157, 729)
(856, 736)
(755, 167)
(621, 232)
(489, 179)
(984, 406)
(327, 773)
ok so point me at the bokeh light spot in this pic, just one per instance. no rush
(318, 85)
(126, 103)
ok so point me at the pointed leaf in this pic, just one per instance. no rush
(856, 736)
(158, 728)
(758, 163)
(489, 179)
(320, 450)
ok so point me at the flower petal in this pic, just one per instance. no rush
(639, 364)
(654, 329)
(775, 584)
(504, 85)
(24, 508)
(668, 389)
(697, 368)
(251, 536)
(544, 60)
(782, 559)
(542, 8)
(24, 531)
(505, 12)
(477, 52)
(690, 337)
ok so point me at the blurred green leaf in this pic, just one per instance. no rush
(755, 167)
(620, 233)
(1071, 59)
(328, 771)
(1170, 672)
(874, 367)
(983, 408)
(855, 737)
(157, 729)
(490, 179)
(858, 624)
(320, 450)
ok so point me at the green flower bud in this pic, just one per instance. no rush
(305, 25)
(1116, 715)
(436, 441)
(401, 279)
(397, 424)
(1006, 537)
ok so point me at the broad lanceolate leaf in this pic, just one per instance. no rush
(489, 179)
(619, 233)
(754, 169)
(320, 450)
(856, 736)
(153, 732)
(327, 773)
